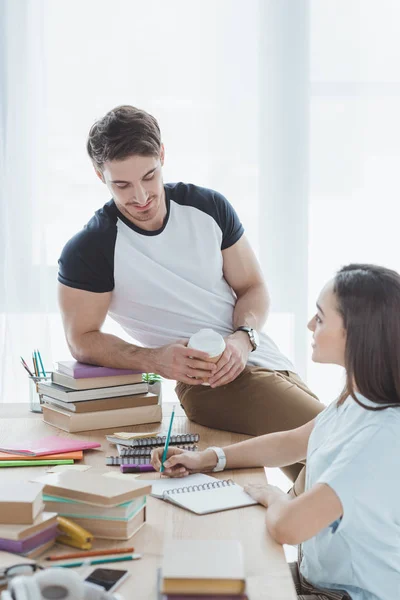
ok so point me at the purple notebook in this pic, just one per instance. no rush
(78, 370)
(31, 542)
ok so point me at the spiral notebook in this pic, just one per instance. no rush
(146, 451)
(200, 493)
(159, 440)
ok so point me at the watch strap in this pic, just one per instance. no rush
(220, 466)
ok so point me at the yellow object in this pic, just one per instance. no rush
(73, 535)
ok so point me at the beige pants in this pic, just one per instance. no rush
(258, 401)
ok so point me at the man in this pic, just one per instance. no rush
(165, 261)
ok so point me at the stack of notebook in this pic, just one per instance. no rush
(107, 507)
(51, 450)
(202, 569)
(24, 526)
(137, 450)
(84, 397)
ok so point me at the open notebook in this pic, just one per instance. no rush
(201, 494)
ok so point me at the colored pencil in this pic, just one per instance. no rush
(26, 366)
(164, 456)
(41, 363)
(90, 553)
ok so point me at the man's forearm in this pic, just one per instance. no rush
(252, 308)
(108, 350)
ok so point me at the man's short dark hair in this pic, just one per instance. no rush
(123, 132)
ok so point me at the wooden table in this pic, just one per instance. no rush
(268, 576)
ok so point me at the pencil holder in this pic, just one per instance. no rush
(35, 397)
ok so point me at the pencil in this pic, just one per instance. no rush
(164, 456)
(99, 561)
(90, 553)
(26, 366)
(41, 363)
(35, 365)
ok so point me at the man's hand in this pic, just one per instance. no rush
(266, 494)
(178, 362)
(233, 360)
(180, 462)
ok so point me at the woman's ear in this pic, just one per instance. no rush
(162, 155)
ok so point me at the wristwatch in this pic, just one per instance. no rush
(220, 466)
(253, 336)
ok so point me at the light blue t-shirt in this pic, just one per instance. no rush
(357, 453)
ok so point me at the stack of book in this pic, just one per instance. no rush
(84, 397)
(202, 570)
(107, 507)
(25, 528)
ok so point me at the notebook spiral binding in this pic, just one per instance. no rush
(123, 451)
(140, 457)
(222, 483)
(180, 438)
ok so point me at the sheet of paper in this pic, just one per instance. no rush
(58, 468)
(119, 475)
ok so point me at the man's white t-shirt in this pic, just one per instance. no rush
(357, 453)
(166, 284)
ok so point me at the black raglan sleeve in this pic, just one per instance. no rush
(228, 220)
(87, 260)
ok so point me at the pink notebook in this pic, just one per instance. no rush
(49, 445)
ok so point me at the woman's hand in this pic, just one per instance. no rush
(180, 463)
(265, 494)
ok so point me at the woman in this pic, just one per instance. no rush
(348, 519)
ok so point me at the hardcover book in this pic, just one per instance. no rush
(79, 370)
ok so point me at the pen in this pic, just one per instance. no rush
(164, 456)
(90, 553)
(41, 363)
(26, 366)
(136, 468)
(99, 561)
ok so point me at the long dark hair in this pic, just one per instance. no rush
(368, 298)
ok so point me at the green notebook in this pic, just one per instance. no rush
(34, 463)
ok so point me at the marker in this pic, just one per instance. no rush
(136, 468)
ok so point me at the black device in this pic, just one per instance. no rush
(109, 579)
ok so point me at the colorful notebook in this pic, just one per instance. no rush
(48, 445)
(201, 494)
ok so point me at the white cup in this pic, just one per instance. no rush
(209, 341)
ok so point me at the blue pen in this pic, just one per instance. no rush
(164, 456)
(41, 364)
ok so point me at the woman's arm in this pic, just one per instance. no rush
(270, 450)
(293, 521)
